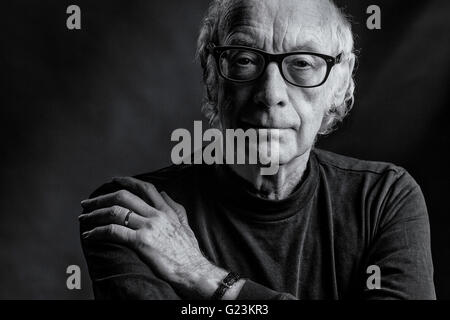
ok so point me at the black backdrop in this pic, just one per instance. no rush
(78, 107)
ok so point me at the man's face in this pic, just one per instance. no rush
(270, 102)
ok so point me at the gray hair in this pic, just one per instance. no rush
(209, 33)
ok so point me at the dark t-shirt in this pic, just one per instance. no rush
(344, 216)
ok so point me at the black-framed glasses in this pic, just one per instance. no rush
(299, 68)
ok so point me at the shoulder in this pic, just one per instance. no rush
(171, 174)
(381, 186)
(347, 164)
(167, 178)
(343, 167)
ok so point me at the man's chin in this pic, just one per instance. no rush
(287, 151)
(280, 152)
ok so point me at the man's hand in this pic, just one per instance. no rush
(158, 230)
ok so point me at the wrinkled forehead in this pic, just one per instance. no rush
(279, 25)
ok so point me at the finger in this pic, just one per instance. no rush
(111, 233)
(122, 198)
(146, 190)
(178, 208)
(112, 215)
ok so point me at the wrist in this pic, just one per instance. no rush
(199, 280)
(203, 281)
(225, 289)
(207, 279)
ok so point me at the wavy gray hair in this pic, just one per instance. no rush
(209, 33)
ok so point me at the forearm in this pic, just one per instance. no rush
(118, 273)
(204, 281)
(162, 238)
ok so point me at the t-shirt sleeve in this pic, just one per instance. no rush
(254, 291)
(117, 272)
(401, 245)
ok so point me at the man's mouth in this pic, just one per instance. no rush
(257, 125)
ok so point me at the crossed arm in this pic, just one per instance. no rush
(156, 256)
(158, 233)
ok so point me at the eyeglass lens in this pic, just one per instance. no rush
(300, 69)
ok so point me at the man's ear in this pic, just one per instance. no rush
(344, 78)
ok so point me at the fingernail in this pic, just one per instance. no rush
(83, 203)
(81, 216)
(85, 234)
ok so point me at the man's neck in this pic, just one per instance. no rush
(278, 186)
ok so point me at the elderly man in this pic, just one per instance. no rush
(310, 231)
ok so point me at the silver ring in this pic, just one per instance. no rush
(127, 218)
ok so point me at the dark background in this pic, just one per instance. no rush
(78, 107)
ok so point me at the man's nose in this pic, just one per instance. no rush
(271, 90)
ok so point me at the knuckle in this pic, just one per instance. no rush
(141, 241)
(164, 208)
(114, 212)
(180, 209)
(110, 229)
(117, 195)
(156, 221)
(148, 224)
(129, 237)
(149, 187)
(161, 216)
(121, 195)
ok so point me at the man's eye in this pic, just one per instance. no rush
(243, 61)
(301, 64)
